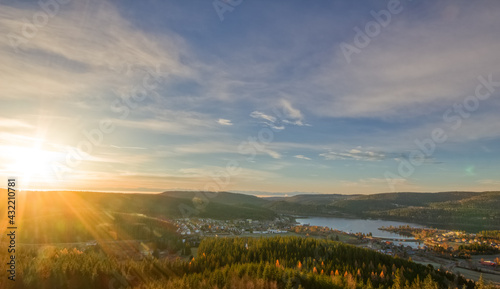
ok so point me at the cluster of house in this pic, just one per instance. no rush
(206, 226)
(460, 238)
(392, 248)
(270, 231)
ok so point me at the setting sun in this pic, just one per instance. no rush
(32, 164)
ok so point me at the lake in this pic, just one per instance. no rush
(359, 225)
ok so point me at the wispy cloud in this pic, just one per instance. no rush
(291, 115)
(261, 115)
(71, 58)
(8, 123)
(128, 148)
(273, 154)
(168, 121)
(244, 174)
(430, 77)
(223, 121)
(354, 154)
(369, 112)
(284, 114)
(302, 157)
(270, 121)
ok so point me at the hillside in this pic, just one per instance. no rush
(157, 205)
(260, 263)
(80, 216)
(470, 211)
(387, 200)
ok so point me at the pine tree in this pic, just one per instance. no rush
(398, 280)
(429, 283)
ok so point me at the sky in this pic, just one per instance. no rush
(279, 97)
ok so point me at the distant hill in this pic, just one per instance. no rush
(312, 198)
(470, 211)
(226, 198)
(367, 203)
(473, 212)
(391, 199)
(169, 204)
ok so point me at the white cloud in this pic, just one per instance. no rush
(261, 115)
(290, 111)
(273, 154)
(287, 115)
(167, 121)
(9, 123)
(205, 147)
(354, 154)
(222, 121)
(302, 157)
(129, 148)
(270, 121)
(211, 172)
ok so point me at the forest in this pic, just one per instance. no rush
(277, 262)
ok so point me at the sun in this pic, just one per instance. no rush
(33, 165)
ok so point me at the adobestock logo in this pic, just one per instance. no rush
(372, 29)
(223, 6)
(40, 19)
(454, 118)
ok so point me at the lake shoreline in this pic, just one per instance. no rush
(357, 225)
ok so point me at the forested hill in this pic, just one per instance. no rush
(154, 205)
(225, 263)
(470, 211)
(47, 217)
(377, 201)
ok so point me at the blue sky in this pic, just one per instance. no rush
(280, 97)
